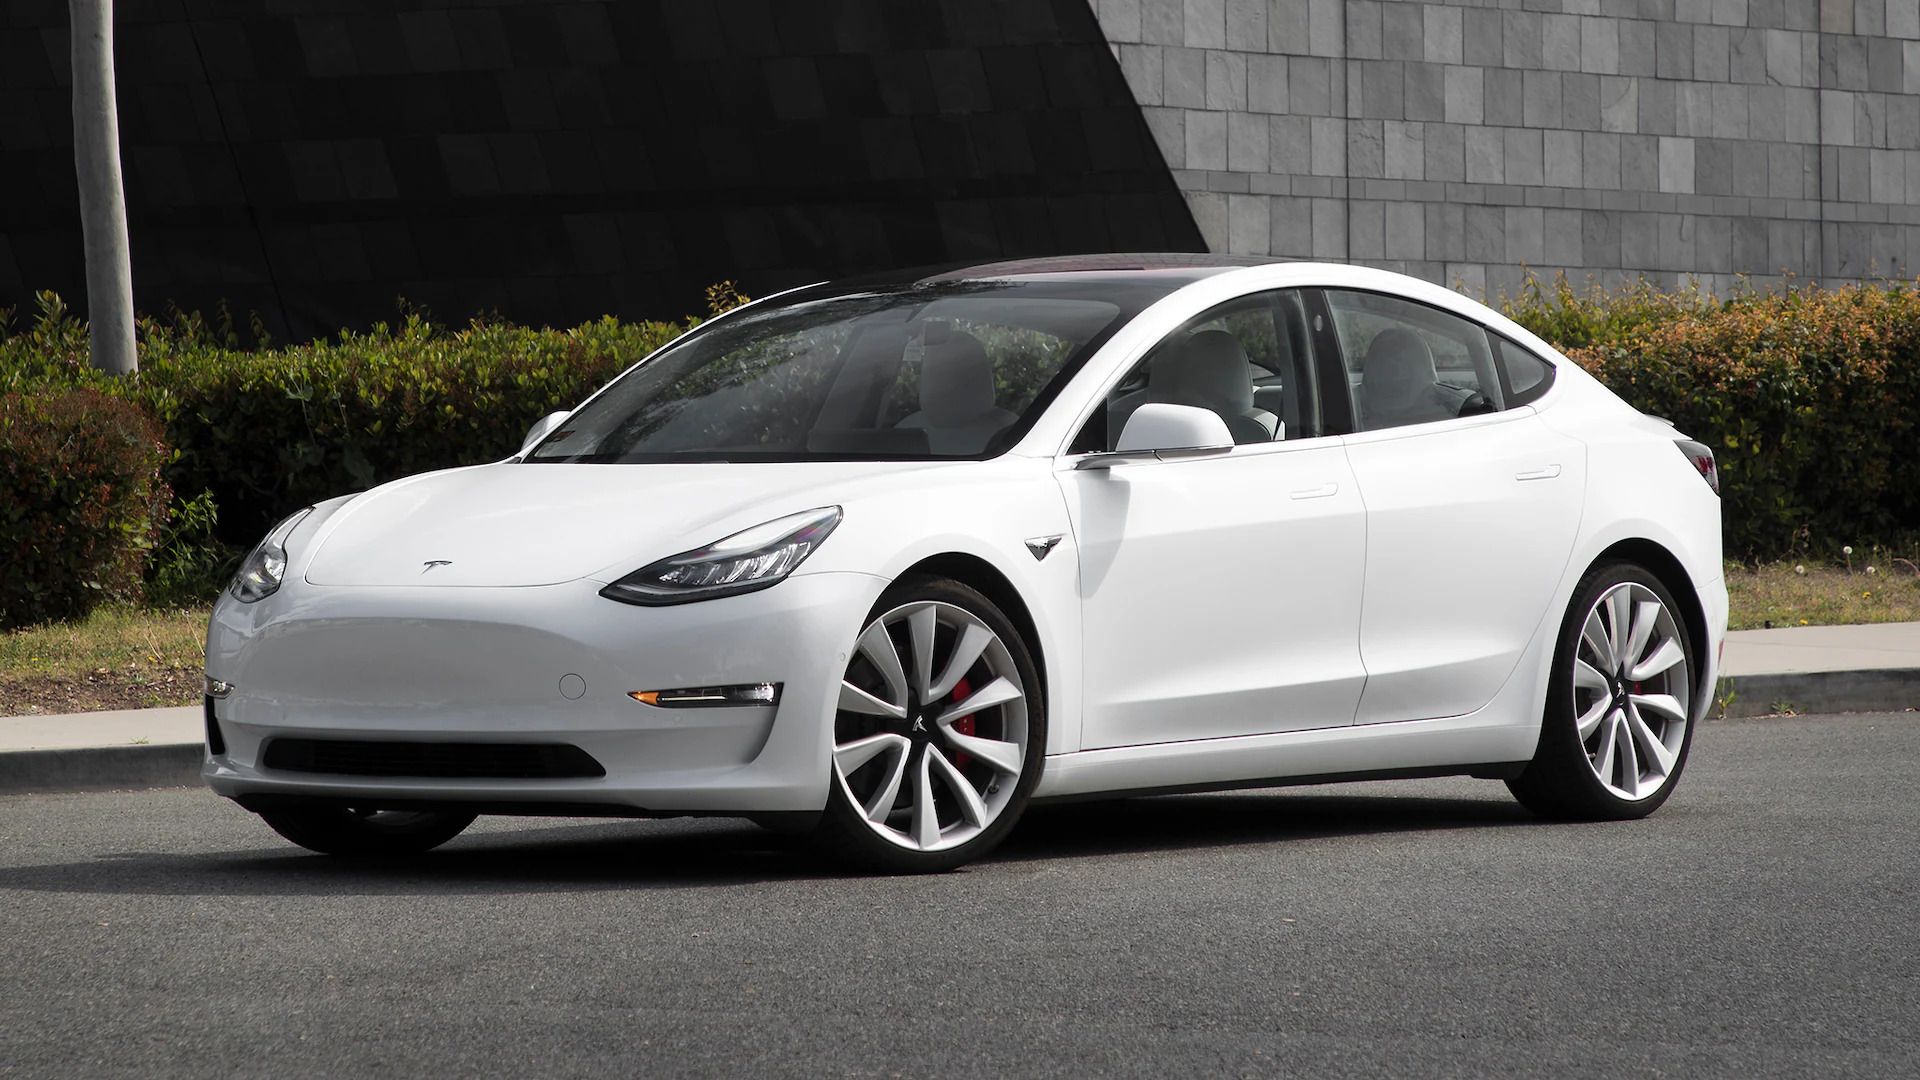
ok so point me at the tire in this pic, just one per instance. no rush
(904, 744)
(1637, 733)
(340, 830)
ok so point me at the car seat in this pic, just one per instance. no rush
(1399, 384)
(957, 408)
(1211, 370)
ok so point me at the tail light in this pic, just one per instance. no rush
(1701, 456)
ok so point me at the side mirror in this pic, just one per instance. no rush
(1159, 431)
(542, 428)
(1161, 426)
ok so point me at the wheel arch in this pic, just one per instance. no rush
(1663, 564)
(986, 579)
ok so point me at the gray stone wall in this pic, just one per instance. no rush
(1469, 141)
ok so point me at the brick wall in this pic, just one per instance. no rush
(1462, 141)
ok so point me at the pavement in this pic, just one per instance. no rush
(1802, 649)
(113, 727)
(1800, 669)
(1760, 924)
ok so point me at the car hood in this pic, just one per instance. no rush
(511, 524)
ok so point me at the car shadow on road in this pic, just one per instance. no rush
(1174, 822)
(683, 853)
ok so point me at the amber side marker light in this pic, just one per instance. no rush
(710, 697)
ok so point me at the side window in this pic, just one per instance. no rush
(1248, 360)
(1408, 363)
(1526, 376)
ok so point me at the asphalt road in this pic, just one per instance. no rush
(1765, 923)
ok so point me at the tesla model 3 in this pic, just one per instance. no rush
(889, 560)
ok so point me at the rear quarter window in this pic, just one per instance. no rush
(1527, 377)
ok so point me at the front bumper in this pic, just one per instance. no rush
(486, 665)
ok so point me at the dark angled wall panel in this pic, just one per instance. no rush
(317, 160)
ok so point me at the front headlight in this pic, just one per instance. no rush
(266, 565)
(754, 559)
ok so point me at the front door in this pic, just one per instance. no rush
(1220, 596)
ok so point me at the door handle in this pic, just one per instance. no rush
(1320, 492)
(1545, 472)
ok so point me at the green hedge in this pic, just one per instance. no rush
(80, 500)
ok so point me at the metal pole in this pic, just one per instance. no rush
(103, 205)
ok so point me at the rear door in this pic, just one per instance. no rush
(1472, 507)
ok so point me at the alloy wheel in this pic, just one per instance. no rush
(931, 733)
(1631, 691)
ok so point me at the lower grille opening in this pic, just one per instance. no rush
(432, 760)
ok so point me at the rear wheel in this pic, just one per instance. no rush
(939, 734)
(343, 830)
(1616, 731)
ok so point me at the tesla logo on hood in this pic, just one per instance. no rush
(431, 563)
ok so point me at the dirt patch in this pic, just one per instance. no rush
(102, 688)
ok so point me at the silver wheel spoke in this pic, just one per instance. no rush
(1650, 745)
(1629, 761)
(1619, 622)
(1003, 757)
(973, 641)
(1645, 616)
(926, 817)
(853, 755)
(854, 699)
(1591, 718)
(1668, 654)
(971, 808)
(1666, 705)
(880, 806)
(1594, 632)
(997, 692)
(850, 756)
(921, 623)
(1603, 754)
(1588, 677)
(877, 645)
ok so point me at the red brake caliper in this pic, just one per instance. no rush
(964, 725)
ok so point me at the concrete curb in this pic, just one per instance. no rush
(100, 768)
(1809, 692)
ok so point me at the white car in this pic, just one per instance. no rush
(891, 559)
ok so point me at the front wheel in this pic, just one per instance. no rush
(939, 734)
(1616, 729)
(349, 831)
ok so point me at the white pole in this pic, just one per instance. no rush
(103, 204)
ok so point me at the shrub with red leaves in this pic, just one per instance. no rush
(80, 500)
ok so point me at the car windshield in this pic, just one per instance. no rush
(955, 370)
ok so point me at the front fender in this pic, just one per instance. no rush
(986, 512)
